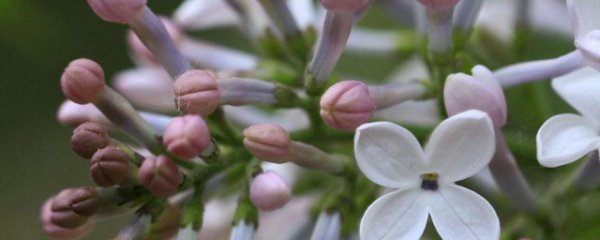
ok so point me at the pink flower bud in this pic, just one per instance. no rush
(187, 136)
(139, 50)
(268, 191)
(197, 92)
(480, 91)
(86, 201)
(110, 166)
(160, 176)
(56, 232)
(87, 138)
(117, 11)
(344, 5)
(82, 81)
(347, 105)
(62, 215)
(269, 142)
(439, 4)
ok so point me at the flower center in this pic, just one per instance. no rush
(429, 181)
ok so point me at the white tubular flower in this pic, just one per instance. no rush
(147, 88)
(586, 29)
(565, 138)
(391, 156)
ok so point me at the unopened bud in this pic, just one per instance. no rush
(268, 191)
(62, 214)
(197, 92)
(346, 105)
(82, 81)
(160, 176)
(439, 4)
(56, 232)
(110, 166)
(87, 138)
(140, 50)
(344, 5)
(480, 91)
(117, 11)
(269, 142)
(86, 201)
(186, 136)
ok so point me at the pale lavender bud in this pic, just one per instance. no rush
(87, 138)
(56, 232)
(187, 136)
(82, 81)
(117, 11)
(344, 5)
(269, 142)
(73, 113)
(62, 214)
(197, 92)
(268, 191)
(346, 105)
(160, 176)
(139, 49)
(109, 166)
(438, 4)
(480, 91)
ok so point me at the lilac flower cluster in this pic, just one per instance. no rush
(202, 141)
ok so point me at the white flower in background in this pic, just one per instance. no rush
(391, 156)
(565, 138)
(586, 29)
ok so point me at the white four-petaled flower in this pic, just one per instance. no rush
(565, 138)
(391, 156)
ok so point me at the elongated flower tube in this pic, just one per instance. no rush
(147, 88)
(339, 20)
(272, 143)
(439, 24)
(83, 82)
(200, 92)
(586, 29)
(391, 156)
(348, 104)
(328, 226)
(148, 28)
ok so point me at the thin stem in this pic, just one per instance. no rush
(588, 176)
(509, 178)
(148, 27)
(526, 72)
(332, 41)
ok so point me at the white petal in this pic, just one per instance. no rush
(580, 89)
(204, 14)
(461, 146)
(589, 46)
(584, 16)
(459, 213)
(388, 155)
(565, 138)
(397, 215)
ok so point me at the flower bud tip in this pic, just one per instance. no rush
(347, 105)
(268, 191)
(82, 81)
(186, 136)
(269, 142)
(197, 92)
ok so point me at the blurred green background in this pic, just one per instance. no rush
(37, 40)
